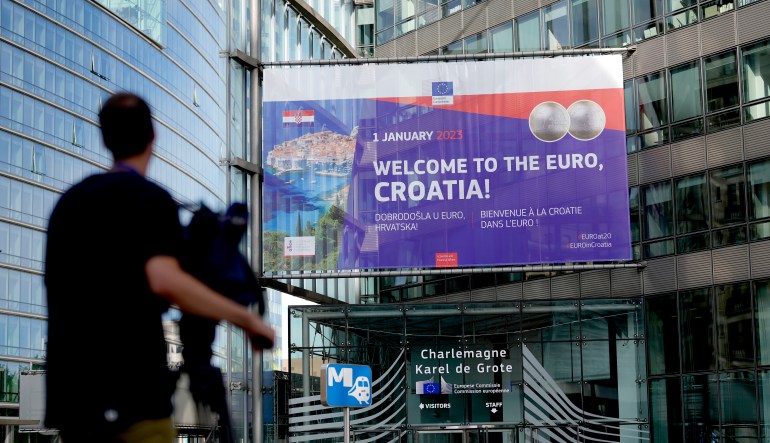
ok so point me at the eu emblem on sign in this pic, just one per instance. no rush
(346, 385)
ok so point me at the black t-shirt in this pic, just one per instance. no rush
(107, 360)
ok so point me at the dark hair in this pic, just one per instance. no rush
(126, 125)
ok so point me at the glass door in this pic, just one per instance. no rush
(548, 434)
(442, 436)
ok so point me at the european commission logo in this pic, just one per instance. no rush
(442, 93)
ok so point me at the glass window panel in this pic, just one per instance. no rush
(666, 411)
(645, 10)
(657, 211)
(692, 243)
(762, 321)
(615, 16)
(737, 391)
(453, 48)
(476, 44)
(759, 231)
(675, 5)
(528, 32)
(691, 204)
(404, 9)
(756, 112)
(385, 14)
(756, 71)
(659, 249)
(763, 382)
(403, 28)
(683, 18)
(685, 91)
(759, 188)
(662, 334)
(451, 7)
(556, 26)
(501, 38)
(724, 120)
(648, 30)
(633, 200)
(652, 101)
(701, 407)
(734, 326)
(715, 7)
(585, 21)
(630, 106)
(631, 145)
(729, 236)
(618, 40)
(686, 129)
(697, 328)
(728, 202)
(721, 73)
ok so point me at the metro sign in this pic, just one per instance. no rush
(348, 386)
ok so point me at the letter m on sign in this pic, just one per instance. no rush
(345, 375)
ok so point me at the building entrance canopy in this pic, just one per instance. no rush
(550, 369)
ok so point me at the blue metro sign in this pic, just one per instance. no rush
(348, 386)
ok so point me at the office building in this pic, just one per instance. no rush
(674, 350)
(59, 61)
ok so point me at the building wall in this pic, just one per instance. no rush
(697, 102)
(59, 61)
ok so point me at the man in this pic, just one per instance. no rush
(111, 271)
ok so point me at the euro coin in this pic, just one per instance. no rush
(549, 121)
(587, 119)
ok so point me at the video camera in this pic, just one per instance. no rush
(211, 253)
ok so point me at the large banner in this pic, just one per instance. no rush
(445, 164)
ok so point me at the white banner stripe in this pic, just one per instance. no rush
(467, 78)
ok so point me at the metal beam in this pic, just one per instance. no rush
(451, 58)
(454, 271)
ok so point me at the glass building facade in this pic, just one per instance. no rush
(59, 61)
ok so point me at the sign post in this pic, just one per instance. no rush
(346, 386)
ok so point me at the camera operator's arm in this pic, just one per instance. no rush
(167, 279)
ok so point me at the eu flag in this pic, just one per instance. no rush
(431, 388)
(442, 89)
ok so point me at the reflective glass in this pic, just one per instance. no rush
(756, 71)
(763, 384)
(385, 14)
(734, 326)
(501, 38)
(585, 21)
(715, 8)
(476, 44)
(729, 236)
(683, 18)
(615, 16)
(759, 189)
(728, 197)
(723, 120)
(697, 330)
(662, 334)
(666, 410)
(691, 204)
(556, 25)
(653, 111)
(701, 407)
(528, 32)
(756, 112)
(633, 196)
(685, 91)
(657, 220)
(694, 242)
(737, 391)
(630, 106)
(762, 322)
(721, 73)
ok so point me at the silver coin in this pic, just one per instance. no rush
(549, 121)
(587, 119)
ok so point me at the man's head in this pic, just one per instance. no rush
(126, 125)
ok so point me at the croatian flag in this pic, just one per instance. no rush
(298, 118)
